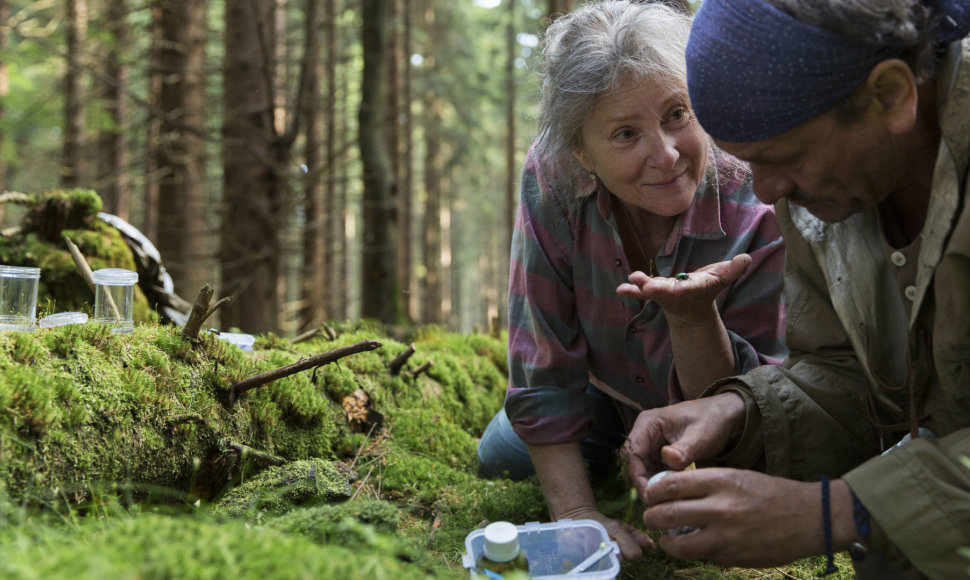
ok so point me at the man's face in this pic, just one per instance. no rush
(830, 168)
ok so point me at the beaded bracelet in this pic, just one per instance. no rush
(861, 515)
(827, 530)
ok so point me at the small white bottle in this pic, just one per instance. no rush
(672, 531)
(501, 553)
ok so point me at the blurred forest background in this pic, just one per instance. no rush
(316, 160)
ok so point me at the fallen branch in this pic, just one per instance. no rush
(397, 364)
(246, 452)
(261, 379)
(305, 336)
(414, 373)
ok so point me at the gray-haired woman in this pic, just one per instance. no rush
(637, 246)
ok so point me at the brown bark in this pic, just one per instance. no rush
(250, 245)
(112, 182)
(183, 231)
(314, 288)
(4, 90)
(153, 130)
(380, 293)
(72, 157)
(333, 212)
(431, 294)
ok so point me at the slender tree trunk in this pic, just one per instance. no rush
(72, 158)
(432, 290)
(315, 234)
(333, 213)
(4, 91)
(407, 178)
(395, 106)
(153, 130)
(181, 160)
(557, 7)
(511, 163)
(113, 143)
(380, 293)
(250, 244)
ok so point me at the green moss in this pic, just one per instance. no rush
(278, 489)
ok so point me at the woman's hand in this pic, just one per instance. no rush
(691, 299)
(632, 541)
(746, 518)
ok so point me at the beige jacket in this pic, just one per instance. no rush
(849, 334)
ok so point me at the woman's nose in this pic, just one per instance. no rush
(662, 150)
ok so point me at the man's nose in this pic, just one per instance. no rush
(770, 186)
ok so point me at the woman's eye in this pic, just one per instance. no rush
(679, 116)
(623, 135)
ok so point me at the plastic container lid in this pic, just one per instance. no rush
(19, 272)
(501, 542)
(114, 277)
(62, 319)
(556, 549)
(243, 341)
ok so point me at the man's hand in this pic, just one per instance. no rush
(674, 437)
(746, 518)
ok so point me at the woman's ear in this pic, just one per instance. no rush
(583, 160)
(894, 88)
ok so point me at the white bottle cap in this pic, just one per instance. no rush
(501, 541)
(657, 477)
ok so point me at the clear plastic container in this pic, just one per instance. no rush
(243, 341)
(18, 298)
(114, 297)
(62, 319)
(579, 549)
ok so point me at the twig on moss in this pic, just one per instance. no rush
(261, 379)
(397, 364)
(246, 451)
(82, 266)
(305, 336)
(201, 312)
(414, 373)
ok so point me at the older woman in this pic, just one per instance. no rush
(622, 186)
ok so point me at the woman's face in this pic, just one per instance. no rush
(643, 143)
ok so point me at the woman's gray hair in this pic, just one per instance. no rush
(588, 53)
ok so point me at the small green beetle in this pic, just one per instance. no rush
(682, 276)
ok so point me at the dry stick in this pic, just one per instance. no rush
(397, 364)
(420, 369)
(246, 451)
(82, 265)
(305, 336)
(197, 315)
(301, 365)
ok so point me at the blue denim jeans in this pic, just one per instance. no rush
(503, 453)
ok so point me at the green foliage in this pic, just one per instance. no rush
(278, 489)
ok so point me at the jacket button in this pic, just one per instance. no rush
(640, 380)
(898, 259)
(618, 263)
(910, 293)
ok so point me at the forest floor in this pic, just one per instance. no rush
(133, 456)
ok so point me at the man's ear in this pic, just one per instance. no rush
(892, 84)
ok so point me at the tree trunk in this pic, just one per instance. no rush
(4, 91)
(333, 211)
(250, 245)
(182, 227)
(314, 292)
(112, 142)
(72, 158)
(432, 291)
(511, 164)
(407, 179)
(153, 130)
(557, 7)
(380, 293)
